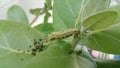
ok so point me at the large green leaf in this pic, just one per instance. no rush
(66, 13)
(93, 6)
(57, 56)
(16, 13)
(106, 40)
(99, 21)
(15, 38)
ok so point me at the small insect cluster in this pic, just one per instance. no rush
(38, 43)
(38, 46)
(62, 35)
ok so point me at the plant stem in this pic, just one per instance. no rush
(34, 20)
(75, 40)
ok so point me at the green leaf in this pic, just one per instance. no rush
(15, 38)
(45, 28)
(14, 60)
(117, 9)
(58, 23)
(57, 56)
(99, 21)
(16, 13)
(106, 40)
(37, 11)
(108, 63)
(93, 6)
(67, 13)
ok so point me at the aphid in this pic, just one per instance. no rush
(33, 53)
(39, 50)
(34, 50)
(30, 46)
(21, 59)
(40, 39)
(38, 42)
(28, 50)
(18, 49)
(35, 42)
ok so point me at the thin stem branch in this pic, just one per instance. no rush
(33, 21)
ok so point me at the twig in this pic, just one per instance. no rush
(34, 20)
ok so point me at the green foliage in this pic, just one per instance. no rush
(66, 13)
(37, 11)
(99, 21)
(15, 36)
(106, 40)
(42, 27)
(93, 6)
(16, 13)
(96, 26)
(46, 30)
(58, 56)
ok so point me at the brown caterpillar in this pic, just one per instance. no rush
(61, 35)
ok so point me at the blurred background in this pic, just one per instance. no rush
(30, 4)
(25, 4)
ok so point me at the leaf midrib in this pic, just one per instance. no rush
(109, 36)
(73, 14)
(13, 50)
(74, 56)
(98, 21)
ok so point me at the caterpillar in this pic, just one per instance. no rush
(62, 35)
